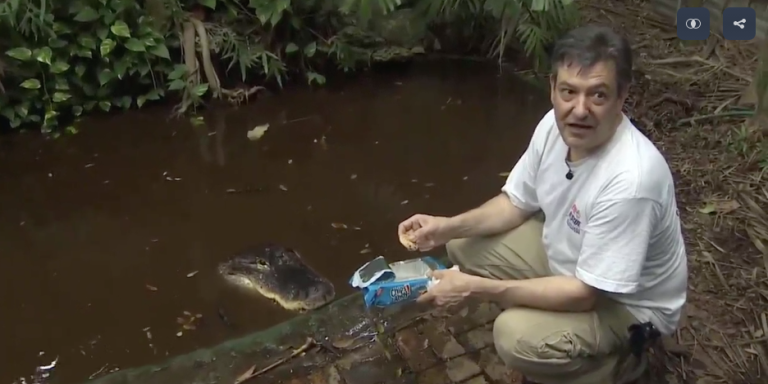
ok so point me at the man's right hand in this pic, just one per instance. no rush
(425, 231)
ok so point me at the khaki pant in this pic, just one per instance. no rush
(547, 347)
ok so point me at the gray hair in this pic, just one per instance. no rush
(589, 45)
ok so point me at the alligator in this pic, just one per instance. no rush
(280, 274)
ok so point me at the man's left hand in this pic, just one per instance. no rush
(454, 286)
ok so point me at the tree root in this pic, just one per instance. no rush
(195, 28)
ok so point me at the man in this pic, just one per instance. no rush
(609, 252)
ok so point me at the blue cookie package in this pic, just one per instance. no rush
(384, 284)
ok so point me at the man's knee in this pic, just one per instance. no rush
(532, 349)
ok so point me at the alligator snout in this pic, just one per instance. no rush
(280, 274)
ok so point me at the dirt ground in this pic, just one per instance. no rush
(689, 98)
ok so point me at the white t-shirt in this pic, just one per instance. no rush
(615, 225)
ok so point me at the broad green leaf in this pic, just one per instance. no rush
(60, 29)
(135, 45)
(87, 42)
(121, 66)
(201, 89)
(86, 14)
(89, 105)
(70, 130)
(107, 45)
(21, 110)
(105, 105)
(315, 77)
(84, 52)
(177, 85)
(141, 100)
(102, 33)
(120, 28)
(208, 3)
(77, 110)
(291, 47)
(15, 123)
(143, 68)
(44, 55)
(276, 16)
(30, 84)
(22, 54)
(105, 76)
(59, 67)
(310, 49)
(126, 101)
(8, 112)
(58, 97)
(50, 114)
(154, 94)
(179, 70)
(161, 51)
(80, 69)
(56, 43)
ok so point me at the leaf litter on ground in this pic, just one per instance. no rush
(690, 99)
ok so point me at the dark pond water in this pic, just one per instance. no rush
(100, 230)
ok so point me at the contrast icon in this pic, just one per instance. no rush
(739, 23)
(693, 23)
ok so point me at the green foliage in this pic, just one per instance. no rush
(60, 60)
(72, 59)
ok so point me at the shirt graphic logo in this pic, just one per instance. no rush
(574, 219)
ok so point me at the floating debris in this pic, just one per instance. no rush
(192, 273)
(257, 132)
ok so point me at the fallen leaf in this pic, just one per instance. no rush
(365, 250)
(504, 174)
(189, 326)
(353, 176)
(283, 187)
(151, 287)
(179, 333)
(339, 225)
(404, 202)
(721, 206)
(257, 132)
(192, 273)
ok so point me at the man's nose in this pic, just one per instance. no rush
(581, 109)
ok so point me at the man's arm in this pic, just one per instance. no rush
(613, 252)
(495, 216)
(553, 293)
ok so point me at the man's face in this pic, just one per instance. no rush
(587, 104)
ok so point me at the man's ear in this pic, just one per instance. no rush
(552, 82)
